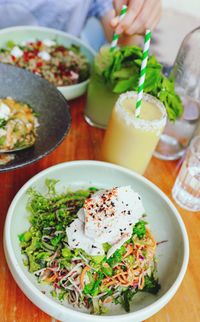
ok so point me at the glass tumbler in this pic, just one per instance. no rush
(186, 190)
(130, 141)
(186, 73)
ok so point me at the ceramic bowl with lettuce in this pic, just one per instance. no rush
(117, 72)
(56, 243)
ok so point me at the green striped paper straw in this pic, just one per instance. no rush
(116, 36)
(147, 40)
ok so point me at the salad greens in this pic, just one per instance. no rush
(121, 69)
(74, 276)
(140, 229)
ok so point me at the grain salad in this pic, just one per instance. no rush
(60, 65)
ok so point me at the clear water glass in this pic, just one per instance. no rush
(186, 190)
(186, 73)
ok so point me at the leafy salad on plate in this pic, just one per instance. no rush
(92, 247)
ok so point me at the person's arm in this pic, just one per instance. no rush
(141, 15)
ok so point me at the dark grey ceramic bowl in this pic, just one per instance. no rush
(51, 106)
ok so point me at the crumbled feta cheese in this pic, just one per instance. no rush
(17, 52)
(74, 75)
(4, 111)
(44, 55)
(49, 42)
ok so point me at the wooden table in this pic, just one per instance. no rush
(83, 142)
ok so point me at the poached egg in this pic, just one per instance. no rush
(108, 216)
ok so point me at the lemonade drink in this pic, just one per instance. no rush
(130, 141)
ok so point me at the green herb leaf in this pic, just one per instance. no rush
(66, 253)
(10, 44)
(117, 256)
(2, 122)
(151, 284)
(2, 140)
(120, 71)
(51, 185)
(125, 84)
(139, 229)
(127, 298)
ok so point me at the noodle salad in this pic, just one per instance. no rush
(86, 281)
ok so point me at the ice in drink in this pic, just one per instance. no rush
(130, 141)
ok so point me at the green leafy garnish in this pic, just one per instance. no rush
(117, 256)
(2, 122)
(126, 298)
(10, 44)
(51, 184)
(2, 139)
(121, 69)
(92, 288)
(139, 229)
(66, 253)
(151, 284)
(106, 269)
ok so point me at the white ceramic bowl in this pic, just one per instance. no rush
(24, 33)
(164, 220)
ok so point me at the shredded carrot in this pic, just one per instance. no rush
(86, 268)
(51, 279)
(108, 300)
(127, 274)
(129, 251)
(141, 284)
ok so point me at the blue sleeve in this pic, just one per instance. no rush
(99, 8)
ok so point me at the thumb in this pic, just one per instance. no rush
(114, 22)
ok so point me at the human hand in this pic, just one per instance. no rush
(141, 15)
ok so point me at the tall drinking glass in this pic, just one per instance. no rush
(186, 190)
(100, 101)
(130, 141)
(186, 73)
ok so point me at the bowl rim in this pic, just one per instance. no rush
(57, 32)
(41, 298)
(12, 167)
(53, 30)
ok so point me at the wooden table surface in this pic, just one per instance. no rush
(83, 142)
